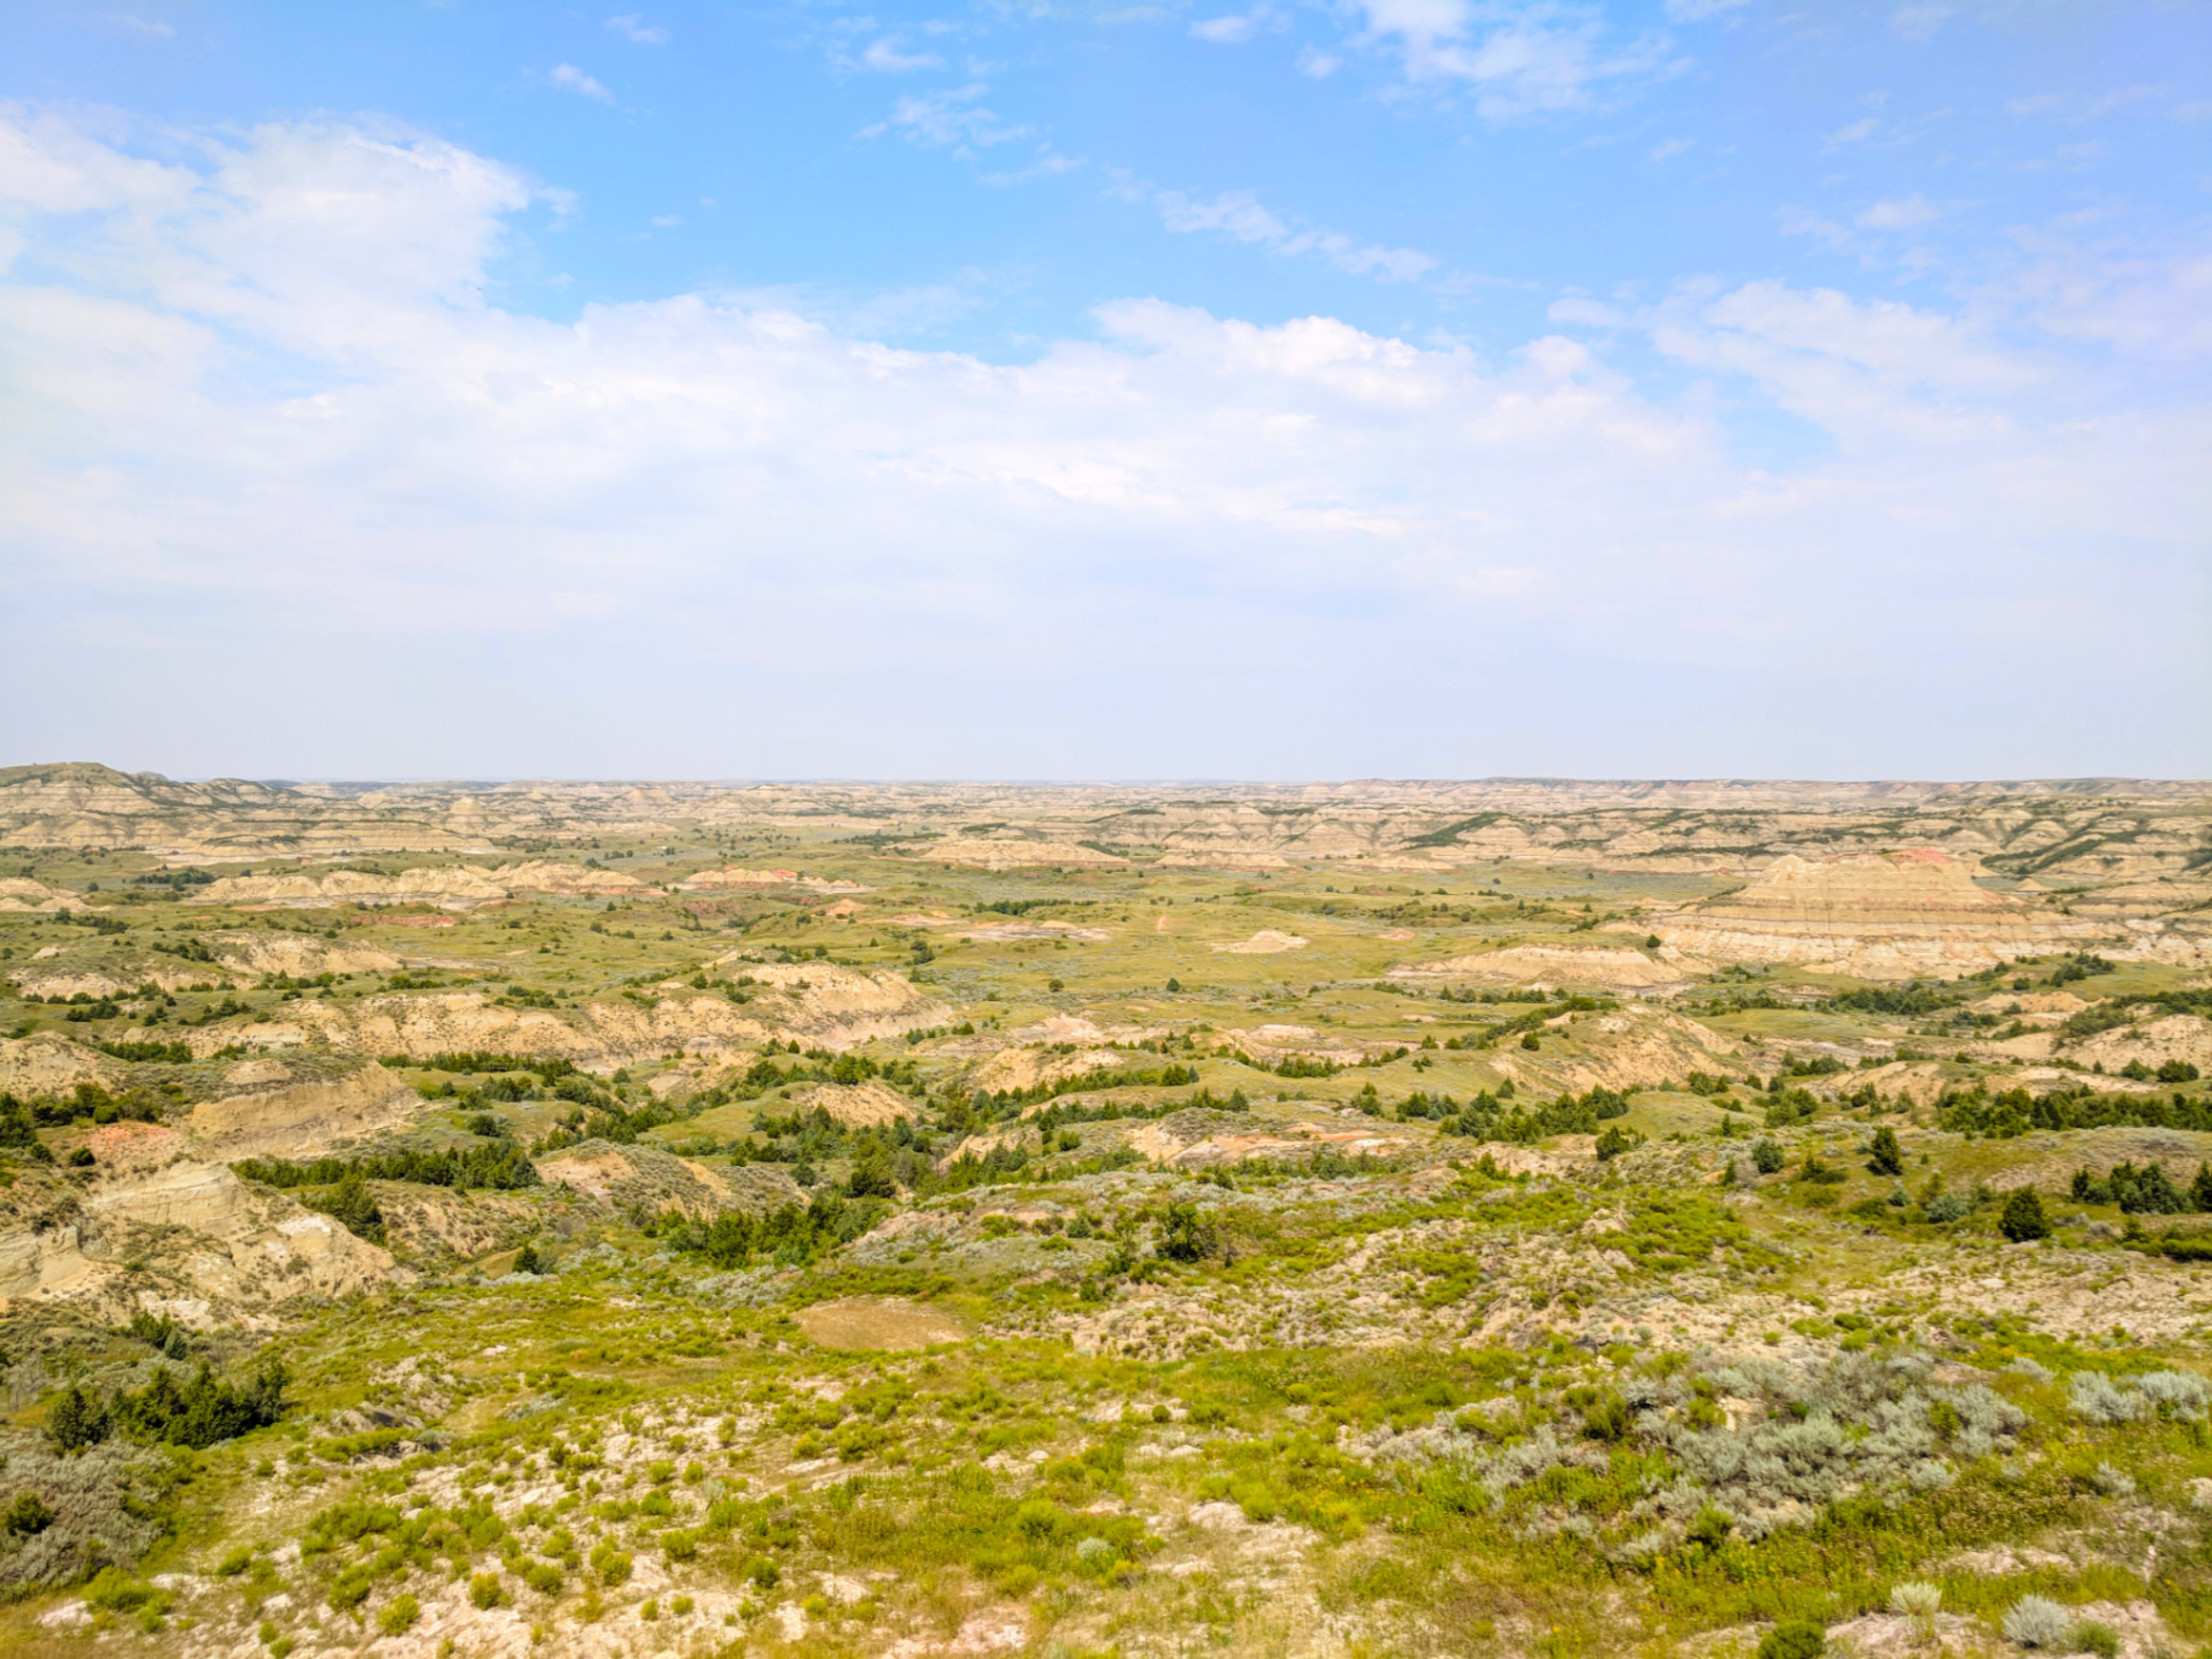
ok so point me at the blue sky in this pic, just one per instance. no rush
(1415, 387)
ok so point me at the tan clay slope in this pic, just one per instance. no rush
(1877, 916)
(165, 1225)
(817, 1004)
(448, 886)
(1553, 965)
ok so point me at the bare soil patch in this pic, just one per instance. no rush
(885, 1323)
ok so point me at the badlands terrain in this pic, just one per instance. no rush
(1518, 1217)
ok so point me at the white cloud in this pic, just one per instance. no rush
(1667, 149)
(632, 26)
(1857, 131)
(952, 119)
(267, 432)
(885, 56)
(1317, 64)
(570, 78)
(131, 24)
(1542, 58)
(1903, 213)
(1048, 163)
(1702, 10)
(1235, 28)
(1239, 216)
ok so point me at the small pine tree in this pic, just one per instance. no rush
(1767, 1157)
(526, 1260)
(1886, 1157)
(2023, 1219)
(76, 1420)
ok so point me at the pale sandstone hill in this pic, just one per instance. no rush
(858, 1105)
(734, 878)
(101, 967)
(1554, 965)
(303, 1119)
(447, 886)
(164, 1223)
(815, 1003)
(1636, 1043)
(652, 1180)
(1890, 915)
(1010, 854)
(45, 1065)
(2153, 1041)
(19, 893)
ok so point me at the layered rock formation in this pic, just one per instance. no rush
(1551, 966)
(1877, 916)
(447, 886)
(816, 1003)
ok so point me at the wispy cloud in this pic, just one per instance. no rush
(1920, 21)
(1904, 213)
(1048, 164)
(953, 119)
(885, 56)
(130, 22)
(1546, 59)
(1238, 27)
(2074, 109)
(1667, 149)
(568, 78)
(1239, 216)
(632, 26)
(1701, 11)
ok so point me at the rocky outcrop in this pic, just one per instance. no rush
(1552, 966)
(306, 1118)
(1638, 1044)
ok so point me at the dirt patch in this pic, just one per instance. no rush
(1268, 941)
(885, 1325)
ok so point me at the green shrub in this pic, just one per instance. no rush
(27, 1516)
(399, 1614)
(1767, 1157)
(115, 1591)
(544, 1577)
(1797, 1639)
(485, 1590)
